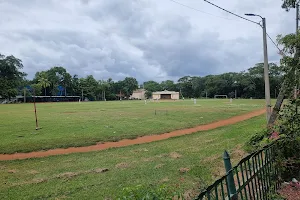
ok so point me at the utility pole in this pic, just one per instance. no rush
(297, 31)
(266, 66)
(266, 70)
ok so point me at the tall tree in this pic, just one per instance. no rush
(288, 41)
(152, 86)
(43, 81)
(168, 85)
(104, 87)
(185, 86)
(10, 75)
(110, 93)
(66, 81)
(56, 77)
(89, 86)
(129, 84)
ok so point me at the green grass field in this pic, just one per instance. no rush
(81, 124)
(75, 176)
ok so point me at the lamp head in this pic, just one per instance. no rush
(250, 14)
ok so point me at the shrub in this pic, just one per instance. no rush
(257, 141)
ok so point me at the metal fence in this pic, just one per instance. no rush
(254, 177)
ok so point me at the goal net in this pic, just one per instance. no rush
(220, 96)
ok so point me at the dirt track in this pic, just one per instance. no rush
(139, 140)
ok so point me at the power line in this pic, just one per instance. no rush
(231, 12)
(198, 10)
(247, 20)
(227, 18)
(276, 45)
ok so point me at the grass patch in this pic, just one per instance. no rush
(184, 163)
(82, 124)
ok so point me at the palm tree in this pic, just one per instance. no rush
(43, 81)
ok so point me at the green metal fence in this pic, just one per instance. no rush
(254, 177)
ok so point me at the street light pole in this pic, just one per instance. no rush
(266, 67)
(266, 70)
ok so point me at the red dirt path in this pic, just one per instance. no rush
(139, 140)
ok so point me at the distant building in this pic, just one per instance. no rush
(165, 95)
(138, 94)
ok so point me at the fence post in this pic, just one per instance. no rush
(229, 176)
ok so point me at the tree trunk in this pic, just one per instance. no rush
(277, 105)
(45, 92)
(284, 90)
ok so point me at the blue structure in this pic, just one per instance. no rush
(61, 91)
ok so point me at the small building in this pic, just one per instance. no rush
(165, 95)
(138, 94)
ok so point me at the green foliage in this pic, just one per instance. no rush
(290, 62)
(276, 197)
(289, 119)
(37, 89)
(288, 158)
(10, 76)
(148, 94)
(43, 81)
(247, 84)
(288, 4)
(256, 141)
(89, 86)
(168, 85)
(141, 192)
(288, 153)
(152, 86)
(288, 124)
(129, 84)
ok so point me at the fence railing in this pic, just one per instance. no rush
(254, 177)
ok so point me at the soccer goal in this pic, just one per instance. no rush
(221, 96)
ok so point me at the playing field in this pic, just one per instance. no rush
(82, 175)
(81, 124)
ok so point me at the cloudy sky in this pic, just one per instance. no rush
(146, 39)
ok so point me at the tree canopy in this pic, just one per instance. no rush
(58, 81)
(10, 76)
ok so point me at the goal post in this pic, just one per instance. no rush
(221, 96)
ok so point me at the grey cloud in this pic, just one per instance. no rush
(141, 38)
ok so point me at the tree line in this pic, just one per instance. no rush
(57, 81)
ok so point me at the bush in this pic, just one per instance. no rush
(289, 119)
(257, 141)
